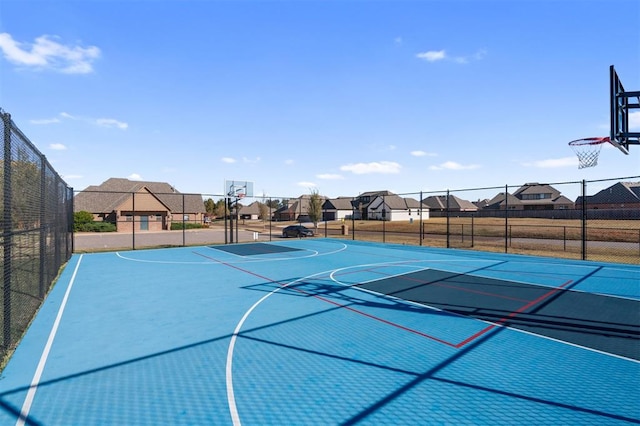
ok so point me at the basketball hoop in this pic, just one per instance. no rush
(588, 150)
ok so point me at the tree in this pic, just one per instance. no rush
(210, 207)
(315, 207)
(221, 209)
(264, 212)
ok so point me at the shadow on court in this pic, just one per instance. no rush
(604, 323)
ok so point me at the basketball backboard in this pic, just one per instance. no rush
(622, 104)
(238, 188)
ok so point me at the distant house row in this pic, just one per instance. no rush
(153, 206)
(384, 205)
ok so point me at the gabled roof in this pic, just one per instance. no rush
(340, 203)
(499, 200)
(107, 196)
(396, 202)
(536, 188)
(562, 200)
(253, 208)
(455, 203)
(619, 193)
(374, 193)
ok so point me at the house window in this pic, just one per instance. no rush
(536, 196)
(185, 217)
(159, 217)
(128, 217)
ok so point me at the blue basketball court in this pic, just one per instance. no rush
(322, 331)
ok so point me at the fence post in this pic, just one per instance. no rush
(184, 226)
(43, 228)
(584, 219)
(472, 232)
(7, 231)
(421, 227)
(448, 233)
(506, 218)
(133, 220)
(353, 218)
(384, 219)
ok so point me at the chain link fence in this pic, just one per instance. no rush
(37, 237)
(590, 220)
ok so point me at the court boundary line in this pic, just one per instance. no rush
(35, 381)
(314, 253)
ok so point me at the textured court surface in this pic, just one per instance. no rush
(319, 331)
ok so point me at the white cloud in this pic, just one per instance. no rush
(57, 147)
(432, 55)
(45, 121)
(329, 176)
(440, 55)
(102, 122)
(419, 153)
(228, 160)
(67, 115)
(452, 165)
(251, 161)
(634, 121)
(383, 167)
(307, 184)
(134, 176)
(110, 122)
(289, 162)
(553, 163)
(47, 53)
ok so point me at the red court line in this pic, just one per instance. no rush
(401, 327)
(513, 314)
(376, 318)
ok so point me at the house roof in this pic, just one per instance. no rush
(107, 196)
(396, 202)
(253, 208)
(499, 200)
(455, 203)
(536, 188)
(619, 193)
(340, 203)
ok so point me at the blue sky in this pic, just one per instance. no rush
(340, 97)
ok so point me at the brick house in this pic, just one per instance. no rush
(150, 206)
(622, 195)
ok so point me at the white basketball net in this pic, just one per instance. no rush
(587, 151)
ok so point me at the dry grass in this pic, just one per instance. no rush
(539, 237)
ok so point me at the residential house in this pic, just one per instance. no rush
(500, 202)
(396, 208)
(531, 196)
(296, 209)
(438, 203)
(254, 211)
(149, 206)
(362, 201)
(622, 195)
(337, 208)
(536, 196)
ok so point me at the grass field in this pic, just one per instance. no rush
(606, 240)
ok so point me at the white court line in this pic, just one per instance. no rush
(28, 401)
(231, 399)
(313, 253)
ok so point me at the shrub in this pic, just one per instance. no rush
(96, 227)
(175, 226)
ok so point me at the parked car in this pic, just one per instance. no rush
(297, 231)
